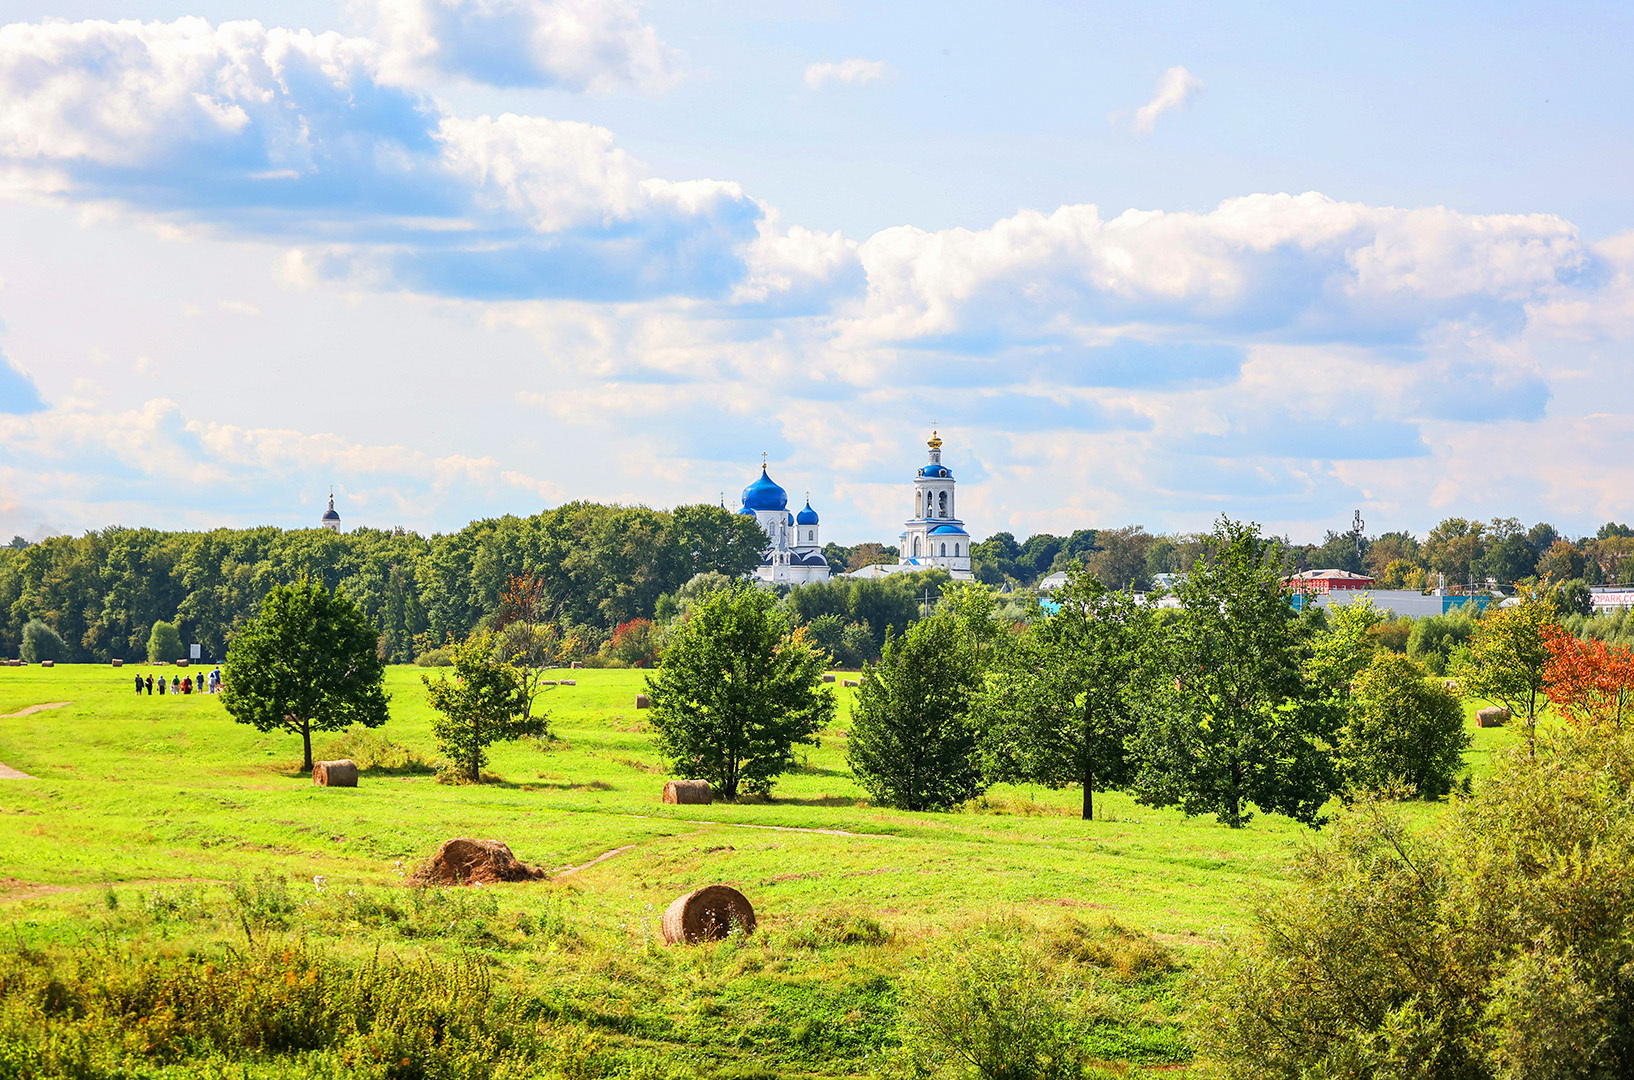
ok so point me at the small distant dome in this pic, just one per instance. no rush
(330, 519)
(331, 515)
(791, 518)
(746, 512)
(764, 494)
(808, 516)
(938, 472)
(948, 530)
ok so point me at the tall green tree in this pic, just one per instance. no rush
(1507, 658)
(487, 702)
(1240, 722)
(164, 643)
(306, 663)
(737, 690)
(1060, 708)
(912, 742)
(40, 642)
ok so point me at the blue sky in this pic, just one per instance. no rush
(1142, 264)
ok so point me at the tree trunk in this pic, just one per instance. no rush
(1089, 765)
(1234, 800)
(306, 743)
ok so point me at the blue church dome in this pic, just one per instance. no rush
(937, 472)
(808, 516)
(764, 494)
(790, 517)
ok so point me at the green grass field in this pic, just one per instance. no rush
(159, 824)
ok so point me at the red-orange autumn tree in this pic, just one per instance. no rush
(1587, 680)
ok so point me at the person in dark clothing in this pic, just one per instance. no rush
(150, 686)
(161, 686)
(187, 685)
(138, 686)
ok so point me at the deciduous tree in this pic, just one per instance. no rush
(1060, 707)
(1242, 724)
(487, 702)
(737, 690)
(1401, 726)
(1588, 681)
(306, 663)
(912, 742)
(1508, 657)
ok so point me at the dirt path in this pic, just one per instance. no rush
(32, 709)
(603, 857)
(6, 771)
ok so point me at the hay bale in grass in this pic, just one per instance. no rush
(688, 792)
(849, 682)
(642, 701)
(1449, 684)
(1492, 716)
(467, 862)
(342, 773)
(567, 682)
(707, 914)
(574, 664)
(116, 662)
(48, 663)
(828, 678)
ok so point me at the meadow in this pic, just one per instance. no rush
(157, 833)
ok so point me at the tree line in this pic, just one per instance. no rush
(1459, 551)
(101, 593)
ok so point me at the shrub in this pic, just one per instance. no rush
(1403, 727)
(164, 643)
(438, 657)
(1435, 637)
(1495, 946)
(40, 642)
(987, 1007)
(637, 643)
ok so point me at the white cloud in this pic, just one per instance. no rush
(853, 72)
(596, 45)
(303, 136)
(1176, 87)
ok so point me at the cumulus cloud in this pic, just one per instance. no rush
(1176, 87)
(595, 45)
(852, 72)
(1294, 266)
(289, 133)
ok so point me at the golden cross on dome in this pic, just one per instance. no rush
(763, 459)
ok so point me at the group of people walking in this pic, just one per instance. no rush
(206, 683)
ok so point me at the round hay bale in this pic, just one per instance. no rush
(688, 792)
(574, 664)
(48, 663)
(342, 773)
(116, 662)
(848, 682)
(467, 862)
(707, 914)
(567, 682)
(1491, 716)
(642, 701)
(828, 678)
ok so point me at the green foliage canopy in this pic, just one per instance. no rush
(164, 643)
(1242, 723)
(40, 642)
(1061, 707)
(1401, 726)
(307, 663)
(488, 701)
(736, 691)
(912, 743)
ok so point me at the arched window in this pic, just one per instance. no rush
(944, 549)
(919, 504)
(941, 501)
(955, 551)
(811, 534)
(916, 547)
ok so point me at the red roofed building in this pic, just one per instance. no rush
(1322, 581)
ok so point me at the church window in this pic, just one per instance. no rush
(955, 551)
(811, 534)
(944, 549)
(942, 503)
(916, 547)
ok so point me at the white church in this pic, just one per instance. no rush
(934, 537)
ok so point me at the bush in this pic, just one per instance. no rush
(438, 657)
(40, 642)
(988, 1008)
(1495, 946)
(1435, 638)
(164, 643)
(1402, 727)
(637, 643)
